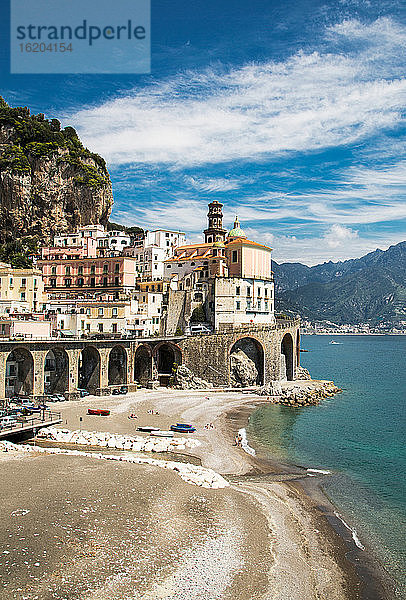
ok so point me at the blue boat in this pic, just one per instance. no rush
(183, 428)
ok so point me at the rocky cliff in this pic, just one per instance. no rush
(48, 181)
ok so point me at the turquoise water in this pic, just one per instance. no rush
(359, 435)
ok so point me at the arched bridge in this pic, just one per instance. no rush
(35, 368)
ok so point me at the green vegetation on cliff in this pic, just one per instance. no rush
(33, 137)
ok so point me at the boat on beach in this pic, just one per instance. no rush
(100, 412)
(147, 428)
(183, 428)
(162, 433)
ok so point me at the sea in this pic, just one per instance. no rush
(359, 435)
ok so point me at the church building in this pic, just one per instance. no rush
(227, 279)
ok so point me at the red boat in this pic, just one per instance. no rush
(100, 412)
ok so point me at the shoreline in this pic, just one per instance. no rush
(377, 583)
(308, 555)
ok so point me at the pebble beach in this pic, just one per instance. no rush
(189, 520)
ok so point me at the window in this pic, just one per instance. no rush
(105, 268)
(67, 270)
(88, 327)
(92, 270)
(266, 305)
(114, 327)
(259, 291)
(11, 282)
(23, 296)
(237, 290)
(234, 256)
(143, 298)
(168, 266)
(82, 324)
(259, 304)
(52, 282)
(116, 280)
(155, 267)
(92, 282)
(23, 282)
(117, 268)
(266, 292)
(166, 234)
(100, 311)
(153, 298)
(104, 281)
(248, 304)
(248, 291)
(100, 327)
(80, 270)
(80, 282)
(238, 305)
(114, 312)
(88, 311)
(53, 271)
(68, 282)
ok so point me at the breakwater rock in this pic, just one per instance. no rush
(192, 474)
(305, 393)
(105, 439)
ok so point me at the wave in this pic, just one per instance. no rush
(244, 442)
(318, 471)
(354, 534)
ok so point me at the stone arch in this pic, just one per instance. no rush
(19, 373)
(143, 365)
(56, 371)
(89, 369)
(117, 370)
(166, 356)
(245, 372)
(287, 358)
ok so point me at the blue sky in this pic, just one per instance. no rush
(290, 113)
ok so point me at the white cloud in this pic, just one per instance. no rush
(212, 184)
(336, 243)
(309, 102)
(337, 234)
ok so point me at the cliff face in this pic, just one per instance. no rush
(48, 181)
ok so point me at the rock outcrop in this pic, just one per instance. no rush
(185, 380)
(302, 373)
(243, 370)
(303, 394)
(49, 182)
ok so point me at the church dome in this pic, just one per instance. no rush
(236, 231)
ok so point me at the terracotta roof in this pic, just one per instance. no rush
(246, 242)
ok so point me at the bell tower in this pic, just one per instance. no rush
(215, 231)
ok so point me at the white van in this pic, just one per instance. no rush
(198, 328)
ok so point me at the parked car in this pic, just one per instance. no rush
(120, 391)
(199, 328)
(8, 421)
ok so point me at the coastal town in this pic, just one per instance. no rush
(100, 283)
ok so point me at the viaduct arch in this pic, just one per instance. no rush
(35, 368)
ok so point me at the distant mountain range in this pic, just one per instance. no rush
(371, 289)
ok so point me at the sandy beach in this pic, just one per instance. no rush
(78, 529)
